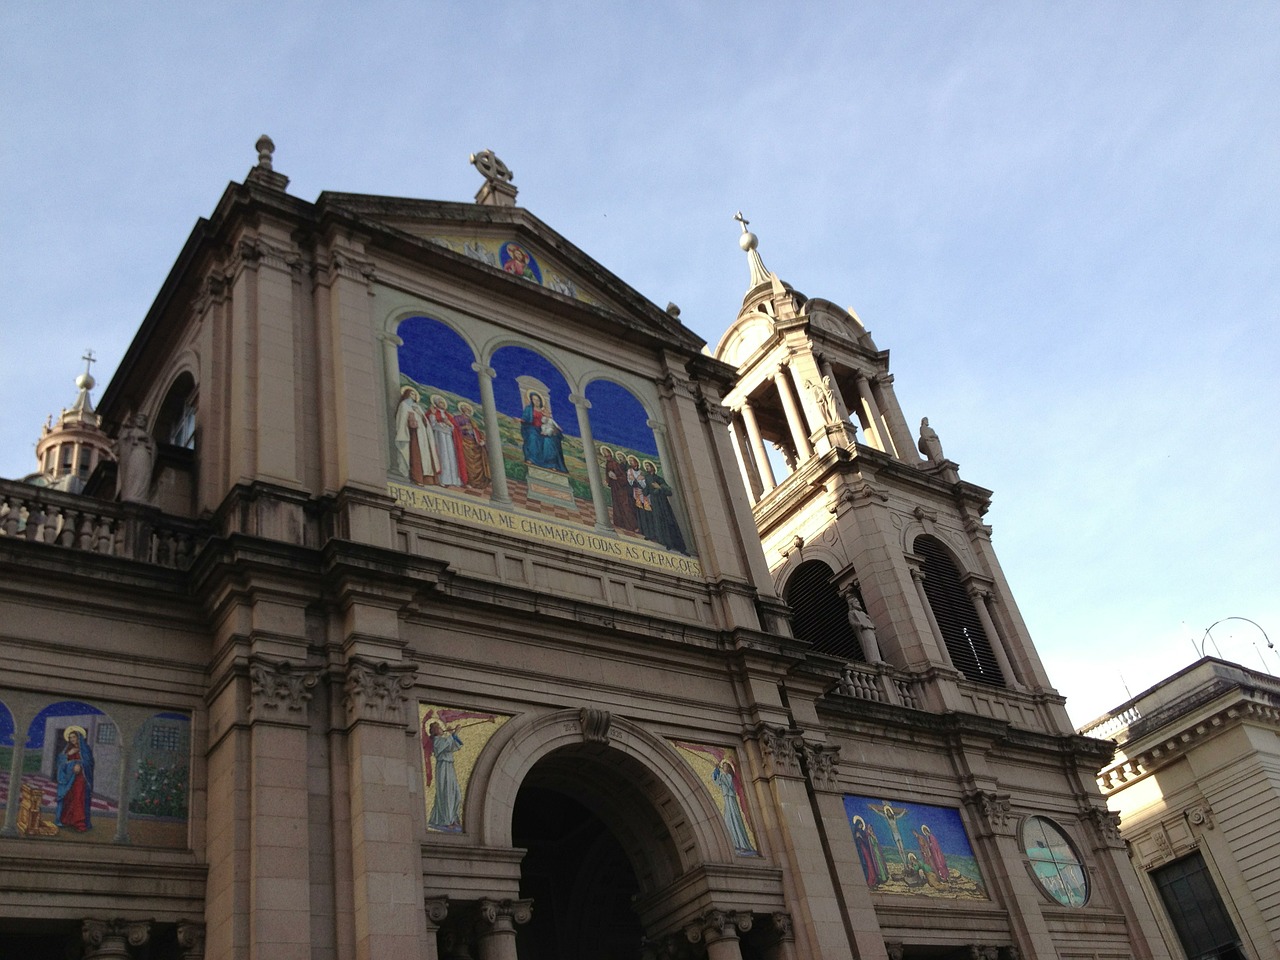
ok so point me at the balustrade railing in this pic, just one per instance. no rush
(867, 682)
(73, 522)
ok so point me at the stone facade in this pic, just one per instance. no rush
(473, 618)
(1196, 787)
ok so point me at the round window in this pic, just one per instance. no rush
(1055, 862)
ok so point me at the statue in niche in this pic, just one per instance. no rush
(136, 455)
(929, 444)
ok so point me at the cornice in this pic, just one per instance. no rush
(1170, 743)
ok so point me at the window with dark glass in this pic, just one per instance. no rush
(1196, 911)
(962, 632)
(819, 614)
(177, 420)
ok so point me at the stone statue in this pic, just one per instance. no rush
(136, 457)
(822, 393)
(864, 628)
(929, 444)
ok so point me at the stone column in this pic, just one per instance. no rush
(750, 476)
(111, 939)
(718, 929)
(799, 433)
(437, 909)
(767, 480)
(896, 423)
(492, 435)
(980, 597)
(581, 406)
(876, 432)
(386, 861)
(497, 927)
(782, 945)
(944, 655)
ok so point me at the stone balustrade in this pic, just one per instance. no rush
(74, 522)
(864, 681)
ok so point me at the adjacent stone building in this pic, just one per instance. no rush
(1196, 782)
(449, 599)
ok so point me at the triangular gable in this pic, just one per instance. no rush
(512, 241)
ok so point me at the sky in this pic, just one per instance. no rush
(1061, 219)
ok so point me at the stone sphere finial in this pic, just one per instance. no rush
(747, 241)
(265, 147)
(85, 381)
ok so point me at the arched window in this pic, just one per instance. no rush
(966, 641)
(176, 423)
(819, 614)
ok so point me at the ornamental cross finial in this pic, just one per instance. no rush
(88, 359)
(742, 220)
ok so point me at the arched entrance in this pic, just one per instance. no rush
(594, 842)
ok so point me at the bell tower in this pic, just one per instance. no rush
(877, 544)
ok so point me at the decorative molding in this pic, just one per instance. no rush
(376, 691)
(595, 724)
(279, 689)
(822, 761)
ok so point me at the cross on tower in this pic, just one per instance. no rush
(742, 220)
(88, 359)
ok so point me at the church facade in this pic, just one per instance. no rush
(446, 598)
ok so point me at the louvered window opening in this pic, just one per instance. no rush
(819, 615)
(962, 631)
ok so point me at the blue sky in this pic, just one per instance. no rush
(1061, 219)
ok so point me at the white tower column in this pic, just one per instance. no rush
(767, 480)
(799, 435)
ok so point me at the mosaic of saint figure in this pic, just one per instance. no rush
(415, 447)
(869, 853)
(75, 781)
(543, 437)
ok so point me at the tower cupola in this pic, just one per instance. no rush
(69, 449)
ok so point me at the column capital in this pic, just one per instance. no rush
(504, 914)
(191, 939)
(392, 338)
(279, 690)
(718, 925)
(578, 400)
(376, 690)
(437, 909)
(484, 370)
(822, 761)
(781, 748)
(994, 811)
(111, 939)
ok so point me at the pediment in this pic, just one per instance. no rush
(512, 242)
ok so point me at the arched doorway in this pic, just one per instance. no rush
(594, 843)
